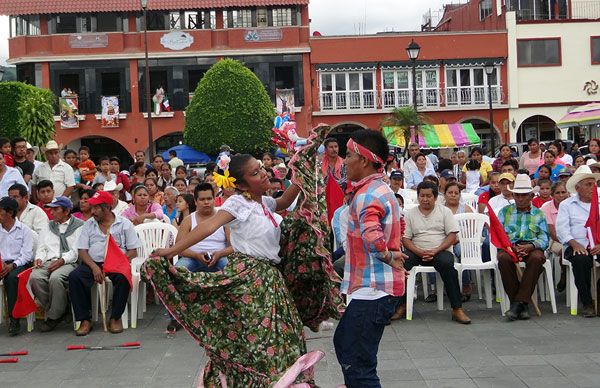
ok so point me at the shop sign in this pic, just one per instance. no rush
(177, 40)
(263, 35)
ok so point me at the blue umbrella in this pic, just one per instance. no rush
(187, 154)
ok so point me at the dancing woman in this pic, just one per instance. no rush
(244, 316)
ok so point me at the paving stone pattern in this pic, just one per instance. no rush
(429, 351)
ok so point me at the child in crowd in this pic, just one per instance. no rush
(473, 176)
(6, 149)
(45, 195)
(87, 168)
(544, 196)
(105, 174)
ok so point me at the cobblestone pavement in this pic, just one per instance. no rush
(430, 351)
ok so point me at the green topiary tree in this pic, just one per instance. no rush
(26, 111)
(230, 106)
(36, 120)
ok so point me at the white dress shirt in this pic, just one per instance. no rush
(120, 208)
(11, 176)
(61, 176)
(16, 244)
(571, 219)
(34, 217)
(49, 245)
(498, 202)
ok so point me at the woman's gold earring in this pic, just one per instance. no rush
(247, 195)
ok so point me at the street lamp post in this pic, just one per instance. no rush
(489, 70)
(147, 81)
(413, 50)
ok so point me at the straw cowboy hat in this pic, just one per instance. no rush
(35, 149)
(583, 172)
(52, 145)
(112, 186)
(522, 185)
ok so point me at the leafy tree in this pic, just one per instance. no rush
(36, 120)
(26, 111)
(404, 119)
(230, 106)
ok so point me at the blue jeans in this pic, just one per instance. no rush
(196, 266)
(357, 338)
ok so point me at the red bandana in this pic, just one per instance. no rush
(371, 157)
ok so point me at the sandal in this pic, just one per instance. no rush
(431, 298)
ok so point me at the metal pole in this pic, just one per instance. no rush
(493, 131)
(147, 87)
(414, 83)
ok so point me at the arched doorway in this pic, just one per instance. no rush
(537, 127)
(165, 142)
(103, 146)
(482, 128)
(342, 133)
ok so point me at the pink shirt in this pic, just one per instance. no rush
(550, 211)
(153, 207)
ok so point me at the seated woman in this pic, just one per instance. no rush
(156, 195)
(142, 209)
(416, 177)
(185, 206)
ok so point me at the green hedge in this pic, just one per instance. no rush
(230, 106)
(14, 98)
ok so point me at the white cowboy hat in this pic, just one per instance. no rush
(583, 172)
(112, 186)
(35, 149)
(592, 162)
(522, 185)
(52, 145)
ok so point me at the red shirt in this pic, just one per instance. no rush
(538, 201)
(9, 160)
(484, 198)
(46, 210)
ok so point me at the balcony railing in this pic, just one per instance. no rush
(532, 10)
(348, 100)
(450, 97)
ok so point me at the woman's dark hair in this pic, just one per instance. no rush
(151, 179)
(193, 180)
(90, 192)
(451, 184)
(96, 185)
(444, 164)
(374, 141)
(504, 145)
(532, 140)
(137, 188)
(420, 154)
(150, 171)
(556, 185)
(68, 152)
(432, 178)
(237, 166)
(475, 149)
(137, 166)
(544, 181)
(473, 164)
(267, 154)
(511, 162)
(181, 168)
(179, 179)
(401, 198)
(189, 199)
(210, 168)
(426, 185)
(551, 153)
(546, 166)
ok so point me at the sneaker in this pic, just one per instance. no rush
(525, 315)
(515, 310)
(14, 327)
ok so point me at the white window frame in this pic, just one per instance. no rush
(347, 99)
(282, 17)
(471, 95)
(485, 9)
(399, 97)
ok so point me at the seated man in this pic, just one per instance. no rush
(16, 251)
(55, 258)
(430, 234)
(92, 247)
(209, 255)
(572, 216)
(29, 214)
(526, 227)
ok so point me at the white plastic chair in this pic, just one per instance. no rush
(469, 199)
(30, 317)
(572, 292)
(470, 230)
(409, 195)
(152, 236)
(96, 294)
(410, 288)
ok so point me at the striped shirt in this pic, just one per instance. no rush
(373, 229)
(528, 226)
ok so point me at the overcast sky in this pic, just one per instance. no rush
(338, 17)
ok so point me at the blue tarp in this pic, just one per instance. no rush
(187, 154)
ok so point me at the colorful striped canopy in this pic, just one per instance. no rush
(436, 136)
(584, 115)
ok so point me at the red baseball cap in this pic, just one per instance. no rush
(101, 197)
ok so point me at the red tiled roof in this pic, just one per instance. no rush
(28, 7)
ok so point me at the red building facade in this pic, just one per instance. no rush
(349, 82)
